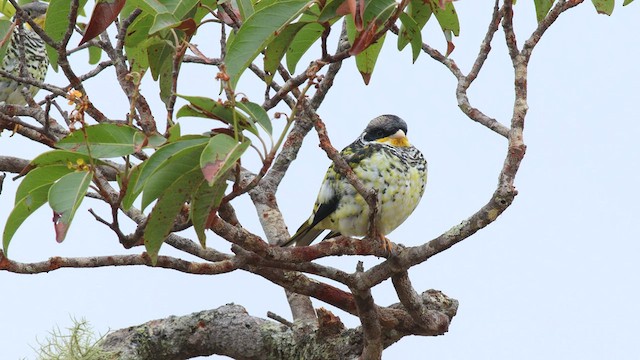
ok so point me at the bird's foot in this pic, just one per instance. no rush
(386, 245)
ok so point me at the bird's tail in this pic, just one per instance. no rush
(304, 236)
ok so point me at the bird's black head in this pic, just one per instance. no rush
(36, 10)
(386, 126)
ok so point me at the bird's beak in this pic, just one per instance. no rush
(398, 139)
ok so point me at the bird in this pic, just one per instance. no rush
(36, 60)
(384, 160)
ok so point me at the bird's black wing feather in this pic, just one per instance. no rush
(325, 209)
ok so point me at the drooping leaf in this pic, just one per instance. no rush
(448, 20)
(542, 8)
(245, 7)
(65, 196)
(220, 154)
(169, 205)
(277, 48)
(410, 33)
(32, 193)
(137, 33)
(160, 53)
(56, 26)
(257, 114)
(104, 140)
(257, 31)
(301, 43)
(155, 161)
(604, 6)
(366, 59)
(168, 171)
(104, 13)
(5, 26)
(94, 55)
(204, 200)
(420, 11)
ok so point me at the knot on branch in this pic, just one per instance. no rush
(329, 325)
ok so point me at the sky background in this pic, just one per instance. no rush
(554, 277)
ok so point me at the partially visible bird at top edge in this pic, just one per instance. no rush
(384, 160)
(36, 60)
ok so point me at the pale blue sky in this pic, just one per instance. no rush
(554, 277)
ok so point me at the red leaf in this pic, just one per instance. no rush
(364, 39)
(104, 13)
(211, 169)
(450, 48)
(356, 9)
(60, 227)
(188, 26)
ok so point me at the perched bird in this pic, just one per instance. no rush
(36, 60)
(383, 159)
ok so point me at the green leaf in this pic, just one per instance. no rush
(257, 114)
(137, 33)
(542, 8)
(210, 109)
(366, 60)
(65, 196)
(7, 9)
(604, 6)
(5, 24)
(409, 32)
(155, 161)
(164, 213)
(220, 154)
(94, 55)
(301, 44)
(178, 8)
(32, 193)
(447, 17)
(174, 133)
(205, 199)
(627, 2)
(329, 11)
(56, 26)
(160, 53)
(420, 11)
(257, 31)
(245, 7)
(64, 157)
(104, 140)
(163, 21)
(277, 48)
(168, 171)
